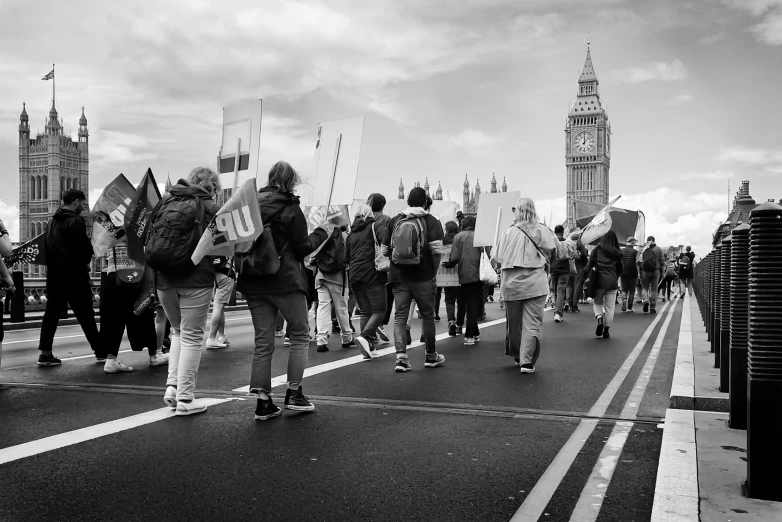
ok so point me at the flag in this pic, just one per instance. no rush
(136, 219)
(49, 76)
(32, 253)
(108, 214)
(599, 225)
(235, 226)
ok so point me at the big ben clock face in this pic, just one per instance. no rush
(584, 142)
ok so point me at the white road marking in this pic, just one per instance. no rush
(591, 500)
(28, 449)
(539, 497)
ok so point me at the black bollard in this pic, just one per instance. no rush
(707, 295)
(725, 278)
(739, 323)
(18, 299)
(715, 327)
(764, 356)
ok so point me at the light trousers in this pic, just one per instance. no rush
(604, 304)
(524, 321)
(331, 294)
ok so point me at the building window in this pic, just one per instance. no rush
(46, 187)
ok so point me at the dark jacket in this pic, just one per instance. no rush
(560, 266)
(660, 260)
(360, 252)
(629, 268)
(609, 267)
(466, 256)
(282, 211)
(68, 248)
(203, 275)
(686, 273)
(582, 258)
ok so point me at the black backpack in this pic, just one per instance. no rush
(262, 259)
(175, 229)
(649, 260)
(331, 258)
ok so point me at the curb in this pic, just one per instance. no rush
(676, 495)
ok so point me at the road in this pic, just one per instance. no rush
(474, 440)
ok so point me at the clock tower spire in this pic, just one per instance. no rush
(587, 148)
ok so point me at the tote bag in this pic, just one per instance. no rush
(382, 263)
(487, 273)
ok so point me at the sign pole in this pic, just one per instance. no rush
(497, 229)
(236, 164)
(331, 188)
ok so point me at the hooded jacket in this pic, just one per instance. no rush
(609, 267)
(203, 275)
(658, 253)
(360, 252)
(467, 256)
(282, 212)
(68, 248)
(560, 266)
(433, 231)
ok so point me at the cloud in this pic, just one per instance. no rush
(655, 71)
(9, 214)
(768, 159)
(680, 99)
(715, 175)
(474, 140)
(769, 30)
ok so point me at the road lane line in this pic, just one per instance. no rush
(537, 500)
(591, 500)
(36, 447)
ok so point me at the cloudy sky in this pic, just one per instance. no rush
(447, 88)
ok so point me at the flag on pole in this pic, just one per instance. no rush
(136, 219)
(108, 214)
(599, 225)
(32, 253)
(49, 75)
(235, 226)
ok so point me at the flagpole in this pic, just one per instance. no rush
(53, 80)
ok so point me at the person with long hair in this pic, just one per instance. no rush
(607, 259)
(285, 292)
(523, 252)
(451, 292)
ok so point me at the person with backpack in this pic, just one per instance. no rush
(667, 278)
(176, 225)
(576, 283)
(272, 278)
(68, 256)
(686, 263)
(331, 284)
(560, 275)
(629, 274)
(414, 242)
(607, 260)
(651, 267)
(367, 279)
(468, 258)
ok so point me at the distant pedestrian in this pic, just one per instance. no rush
(607, 259)
(224, 286)
(686, 262)
(455, 317)
(468, 259)
(560, 275)
(332, 286)
(580, 258)
(629, 278)
(651, 267)
(68, 256)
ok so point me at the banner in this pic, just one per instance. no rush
(447, 276)
(338, 148)
(108, 214)
(146, 197)
(623, 222)
(339, 215)
(241, 121)
(234, 227)
(32, 253)
(599, 225)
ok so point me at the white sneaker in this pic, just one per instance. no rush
(114, 366)
(158, 359)
(557, 318)
(215, 344)
(170, 397)
(190, 408)
(366, 349)
(225, 340)
(469, 341)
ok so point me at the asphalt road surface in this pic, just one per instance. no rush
(474, 440)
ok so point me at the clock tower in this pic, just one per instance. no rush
(587, 149)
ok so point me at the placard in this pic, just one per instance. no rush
(447, 276)
(241, 121)
(338, 149)
(486, 222)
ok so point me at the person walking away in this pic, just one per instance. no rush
(68, 255)
(117, 312)
(368, 284)
(413, 242)
(523, 252)
(580, 260)
(6, 281)
(468, 259)
(285, 290)
(667, 276)
(451, 292)
(224, 286)
(651, 268)
(629, 274)
(331, 283)
(560, 275)
(175, 227)
(686, 264)
(608, 261)
(377, 202)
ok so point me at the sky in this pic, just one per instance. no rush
(447, 89)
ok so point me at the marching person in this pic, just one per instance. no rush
(331, 284)
(184, 293)
(607, 258)
(377, 202)
(468, 259)
(523, 252)
(651, 267)
(451, 292)
(686, 263)
(560, 276)
(6, 281)
(224, 286)
(286, 291)
(68, 255)
(629, 274)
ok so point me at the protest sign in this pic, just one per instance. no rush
(241, 143)
(146, 197)
(623, 222)
(339, 215)
(495, 213)
(337, 150)
(447, 276)
(234, 227)
(32, 253)
(599, 225)
(108, 214)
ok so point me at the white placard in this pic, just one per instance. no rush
(337, 153)
(486, 222)
(241, 121)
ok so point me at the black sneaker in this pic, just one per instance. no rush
(606, 335)
(527, 368)
(458, 330)
(296, 400)
(323, 348)
(335, 328)
(436, 317)
(433, 360)
(266, 409)
(382, 335)
(452, 329)
(402, 365)
(48, 360)
(567, 307)
(482, 317)
(600, 327)
(652, 311)
(351, 344)
(575, 309)
(423, 338)
(646, 308)
(624, 305)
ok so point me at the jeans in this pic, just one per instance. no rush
(559, 283)
(116, 312)
(451, 297)
(332, 294)
(74, 290)
(263, 309)
(665, 287)
(389, 303)
(423, 293)
(649, 281)
(687, 282)
(523, 336)
(628, 290)
(470, 298)
(186, 308)
(578, 288)
(372, 303)
(604, 304)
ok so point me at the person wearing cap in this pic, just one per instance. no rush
(651, 266)
(629, 274)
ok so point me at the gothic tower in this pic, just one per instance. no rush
(587, 149)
